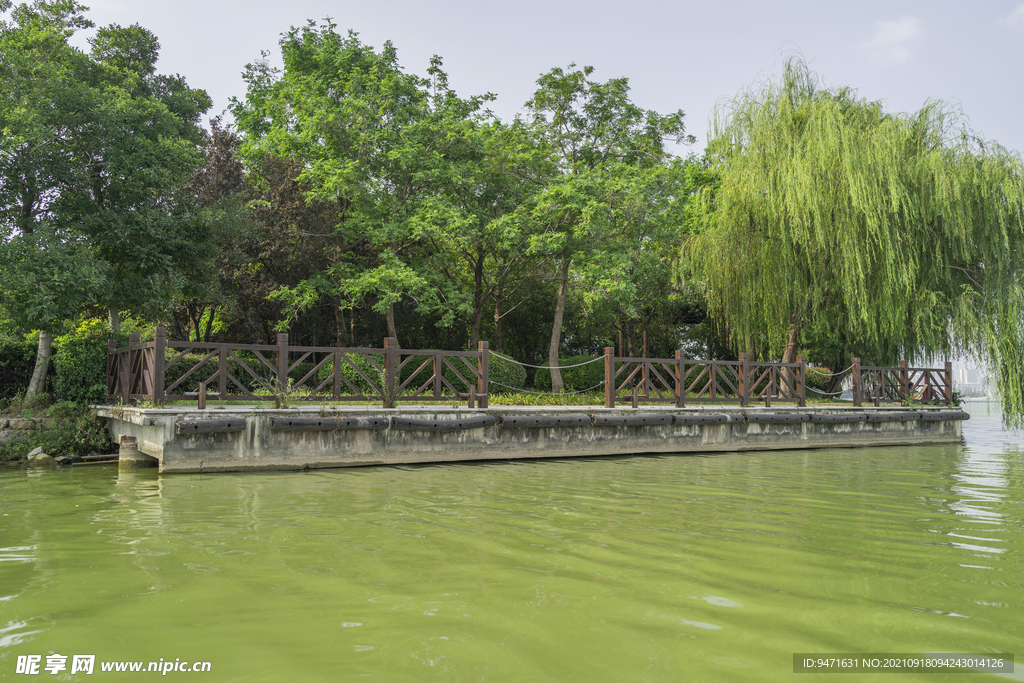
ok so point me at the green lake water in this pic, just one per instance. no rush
(644, 568)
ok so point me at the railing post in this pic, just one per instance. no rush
(609, 377)
(159, 359)
(438, 365)
(680, 387)
(947, 378)
(801, 389)
(282, 361)
(134, 366)
(904, 382)
(336, 375)
(636, 398)
(856, 382)
(772, 381)
(388, 400)
(201, 398)
(111, 368)
(742, 380)
(711, 376)
(483, 374)
(124, 373)
(222, 378)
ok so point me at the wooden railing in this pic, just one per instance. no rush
(680, 380)
(155, 371)
(903, 384)
(152, 371)
(429, 375)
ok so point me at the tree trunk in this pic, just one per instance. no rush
(789, 355)
(177, 329)
(556, 328)
(339, 323)
(392, 332)
(37, 384)
(114, 317)
(474, 335)
(209, 325)
(836, 381)
(478, 299)
(498, 343)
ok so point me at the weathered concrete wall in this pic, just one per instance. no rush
(262, 439)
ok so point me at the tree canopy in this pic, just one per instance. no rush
(900, 234)
(375, 142)
(610, 184)
(94, 150)
(354, 199)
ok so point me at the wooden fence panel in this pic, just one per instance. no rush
(258, 372)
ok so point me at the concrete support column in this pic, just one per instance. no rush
(131, 458)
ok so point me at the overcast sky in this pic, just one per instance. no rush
(677, 55)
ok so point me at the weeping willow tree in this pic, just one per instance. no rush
(903, 232)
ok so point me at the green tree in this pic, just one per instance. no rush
(899, 234)
(93, 150)
(141, 147)
(217, 189)
(493, 169)
(46, 270)
(375, 143)
(610, 176)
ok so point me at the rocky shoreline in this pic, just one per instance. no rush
(16, 430)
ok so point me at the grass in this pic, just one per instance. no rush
(590, 398)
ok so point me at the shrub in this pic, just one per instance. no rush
(299, 371)
(75, 431)
(361, 362)
(818, 378)
(467, 372)
(17, 360)
(500, 371)
(80, 368)
(575, 379)
(208, 371)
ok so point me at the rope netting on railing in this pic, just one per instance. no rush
(818, 371)
(547, 367)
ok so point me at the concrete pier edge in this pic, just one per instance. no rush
(240, 438)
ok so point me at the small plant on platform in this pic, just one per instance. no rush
(282, 393)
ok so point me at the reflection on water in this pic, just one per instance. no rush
(627, 569)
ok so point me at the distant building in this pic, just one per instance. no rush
(970, 381)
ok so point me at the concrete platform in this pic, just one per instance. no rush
(239, 438)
